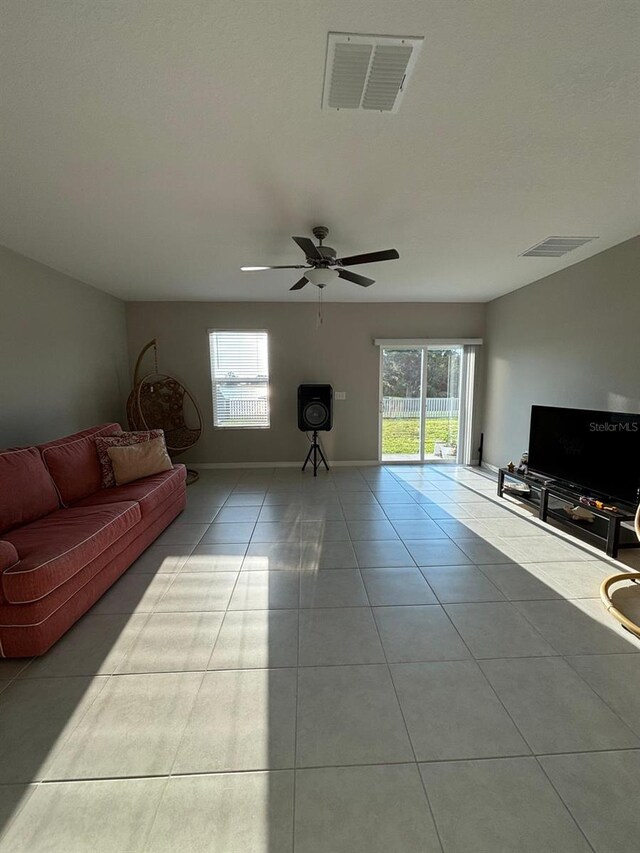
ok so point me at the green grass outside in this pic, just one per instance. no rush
(402, 435)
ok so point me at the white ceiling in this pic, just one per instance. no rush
(152, 148)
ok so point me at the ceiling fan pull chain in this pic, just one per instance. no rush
(320, 318)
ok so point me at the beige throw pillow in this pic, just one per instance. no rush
(123, 439)
(139, 460)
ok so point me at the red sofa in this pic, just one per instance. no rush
(64, 540)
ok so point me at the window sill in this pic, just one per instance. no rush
(225, 428)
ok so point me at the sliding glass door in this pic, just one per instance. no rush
(442, 403)
(420, 405)
(402, 435)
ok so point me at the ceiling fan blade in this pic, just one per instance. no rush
(369, 258)
(294, 267)
(308, 247)
(355, 278)
(300, 284)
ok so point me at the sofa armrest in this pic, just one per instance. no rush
(8, 555)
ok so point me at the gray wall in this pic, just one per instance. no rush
(571, 339)
(341, 352)
(63, 353)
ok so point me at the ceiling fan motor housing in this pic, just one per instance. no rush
(328, 253)
(320, 232)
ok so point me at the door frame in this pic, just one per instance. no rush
(468, 369)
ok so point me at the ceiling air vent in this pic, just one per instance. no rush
(368, 72)
(555, 247)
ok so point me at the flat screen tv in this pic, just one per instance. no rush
(598, 453)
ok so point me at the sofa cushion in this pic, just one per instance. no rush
(74, 464)
(149, 492)
(27, 491)
(53, 549)
(8, 555)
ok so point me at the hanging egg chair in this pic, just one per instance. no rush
(160, 401)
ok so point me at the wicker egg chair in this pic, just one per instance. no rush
(158, 401)
(629, 578)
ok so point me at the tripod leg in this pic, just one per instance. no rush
(315, 454)
(322, 456)
(308, 457)
(315, 451)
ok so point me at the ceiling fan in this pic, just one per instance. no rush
(323, 266)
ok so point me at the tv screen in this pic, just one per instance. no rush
(597, 452)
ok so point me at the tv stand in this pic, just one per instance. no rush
(549, 497)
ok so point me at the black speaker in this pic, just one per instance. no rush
(315, 407)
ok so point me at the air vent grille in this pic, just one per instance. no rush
(368, 72)
(350, 68)
(555, 247)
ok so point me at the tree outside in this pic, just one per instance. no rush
(401, 373)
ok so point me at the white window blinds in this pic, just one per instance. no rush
(240, 379)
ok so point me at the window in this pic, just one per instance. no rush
(240, 379)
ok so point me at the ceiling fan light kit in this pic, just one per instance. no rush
(323, 266)
(321, 276)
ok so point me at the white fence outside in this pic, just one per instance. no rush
(409, 407)
(392, 407)
(247, 409)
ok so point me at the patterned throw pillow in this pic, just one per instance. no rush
(124, 439)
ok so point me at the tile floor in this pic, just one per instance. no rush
(381, 660)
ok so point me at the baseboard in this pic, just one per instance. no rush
(358, 463)
(493, 468)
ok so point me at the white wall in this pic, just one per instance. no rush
(63, 353)
(571, 339)
(340, 352)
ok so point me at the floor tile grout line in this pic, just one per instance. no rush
(129, 648)
(404, 722)
(491, 687)
(601, 698)
(585, 682)
(188, 718)
(533, 627)
(22, 669)
(189, 715)
(566, 807)
(512, 658)
(152, 822)
(517, 727)
(13, 817)
(223, 620)
(124, 675)
(52, 759)
(290, 769)
(478, 659)
(295, 733)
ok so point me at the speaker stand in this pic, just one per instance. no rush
(312, 455)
